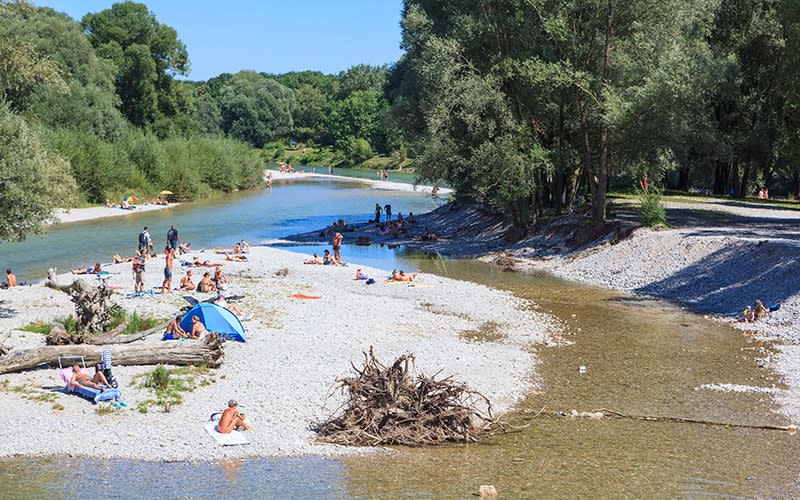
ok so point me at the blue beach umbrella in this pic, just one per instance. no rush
(217, 319)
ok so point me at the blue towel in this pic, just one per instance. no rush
(774, 307)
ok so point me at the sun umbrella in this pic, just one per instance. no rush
(131, 199)
(216, 319)
(166, 192)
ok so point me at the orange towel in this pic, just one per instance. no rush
(303, 296)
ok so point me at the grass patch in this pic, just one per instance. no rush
(106, 409)
(168, 385)
(487, 332)
(29, 393)
(135, 323)
(43, 327)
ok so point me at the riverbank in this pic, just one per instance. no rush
(283, 375)
(716, 258)
(278, 176)
(66, 215)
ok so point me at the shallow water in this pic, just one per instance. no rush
(288, 208)
(642, 358)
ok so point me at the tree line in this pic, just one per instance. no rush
(525, 105)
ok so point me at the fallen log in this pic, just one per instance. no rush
(116, 337)
(206, 352)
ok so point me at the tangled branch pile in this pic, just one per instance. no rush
(387, 406)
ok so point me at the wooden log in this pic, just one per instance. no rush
(52, 281)
(206, 352)
(115, 338)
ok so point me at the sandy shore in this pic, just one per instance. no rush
(278, 176)
(65, 215)
(283, 375)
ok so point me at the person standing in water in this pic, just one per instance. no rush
(377, 213)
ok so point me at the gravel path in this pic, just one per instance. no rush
(283, 375)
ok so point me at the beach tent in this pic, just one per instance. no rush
(217, 319)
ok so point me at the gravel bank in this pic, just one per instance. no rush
(283, 375)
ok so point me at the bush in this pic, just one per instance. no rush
(651, 211)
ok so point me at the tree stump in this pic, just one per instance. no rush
(93, 306)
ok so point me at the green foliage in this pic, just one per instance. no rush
(146, 54)
(33, 181)
(255, 109)
(651, 210)
(167, 384)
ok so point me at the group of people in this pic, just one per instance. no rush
(755, 313)
(763, 194)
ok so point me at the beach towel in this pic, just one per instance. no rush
(232, 439)
(93, 395)
(304, 296)
(774, 307)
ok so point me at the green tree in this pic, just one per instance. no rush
(32, 180)
(147, 54)
(255, 108)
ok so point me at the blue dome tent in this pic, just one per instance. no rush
(217, 319)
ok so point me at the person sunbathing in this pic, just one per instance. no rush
(236, 258)
(117, 259)
(198, 328)
(361, 275)
(174, 329)
(187, 283)
(401, 276)
(198, 263)
(220, 301)
(231, 419)
(97, 269)
(81, 378)
(206, 285)
(184, 248)
(220, 279)
(315, 259)
(330, 260)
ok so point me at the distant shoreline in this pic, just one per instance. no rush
(68, 215)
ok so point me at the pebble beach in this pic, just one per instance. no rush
(284, 375)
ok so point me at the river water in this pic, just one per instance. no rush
(641, 357)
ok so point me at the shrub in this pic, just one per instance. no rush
(651, 211)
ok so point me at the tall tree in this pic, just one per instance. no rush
(147, 54)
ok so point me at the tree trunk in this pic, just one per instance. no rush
(115, 337)
(599, 198)
(683, 178)
(745, 185)
(206, 352)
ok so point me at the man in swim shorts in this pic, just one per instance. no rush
(337, 247)
(166, 286)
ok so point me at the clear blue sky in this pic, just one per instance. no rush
(274, 36)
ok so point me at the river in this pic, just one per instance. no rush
(642, 358)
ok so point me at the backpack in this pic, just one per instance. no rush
(143, 238)
(172, 235)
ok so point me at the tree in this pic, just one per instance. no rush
(32, 180)
(255, 108)
(147, 54)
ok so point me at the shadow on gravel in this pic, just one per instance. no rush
(6, 312)
(733, 277)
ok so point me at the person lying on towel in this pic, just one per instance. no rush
(79, 377)
(231, 419)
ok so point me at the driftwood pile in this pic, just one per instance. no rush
(387, 406)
